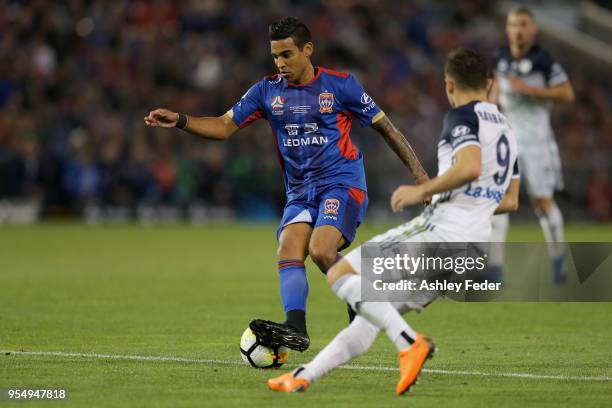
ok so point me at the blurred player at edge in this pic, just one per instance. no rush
(477, 147)
(309, 110)
(528, 80)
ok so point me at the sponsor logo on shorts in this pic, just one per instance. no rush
(331, 206)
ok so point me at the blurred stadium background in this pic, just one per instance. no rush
(77, 77)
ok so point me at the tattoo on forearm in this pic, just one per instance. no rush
(396, 140)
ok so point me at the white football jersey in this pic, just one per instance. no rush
(529, 116)
(467, 210)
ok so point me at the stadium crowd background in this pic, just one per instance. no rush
(77, 77)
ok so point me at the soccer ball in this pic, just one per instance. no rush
(260, 356)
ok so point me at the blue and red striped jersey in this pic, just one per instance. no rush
(311, 125)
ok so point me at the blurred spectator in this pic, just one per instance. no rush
(82, 177)
(136, 174)
(599, 195)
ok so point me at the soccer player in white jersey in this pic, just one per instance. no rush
(477, 176)
(528, 81)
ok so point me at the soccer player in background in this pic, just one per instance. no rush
(528, 81)
(310, 110)
(477, 152)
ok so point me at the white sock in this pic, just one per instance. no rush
(348, 288)
(382, 314)
(552, 226)
(351, 342)
(499, 232)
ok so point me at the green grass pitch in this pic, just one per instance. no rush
(189, 292)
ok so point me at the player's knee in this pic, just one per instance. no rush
(542, 205)
(285, 251)
(282, 252)
(323, 256)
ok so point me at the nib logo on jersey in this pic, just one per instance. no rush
(278, 103)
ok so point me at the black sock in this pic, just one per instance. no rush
(351, 313)
(408, 339)
(297, 319)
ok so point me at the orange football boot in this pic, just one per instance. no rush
(288, 383)
(411, 362)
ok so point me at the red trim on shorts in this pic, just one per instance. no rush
(357, 194)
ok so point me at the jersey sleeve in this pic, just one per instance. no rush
(461, 129)
(553, 71)
(249, 108)
(359, 103)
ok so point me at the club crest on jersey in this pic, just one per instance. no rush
(525, 66)
(331, 206)
(278, 102)
(326, 102)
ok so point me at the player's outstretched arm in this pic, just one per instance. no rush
(217, 128)
(467, 168)
(510, 202)
(558, 93)
(398, 143)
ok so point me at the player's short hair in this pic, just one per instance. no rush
(290, 27)
(467, 68)
(522, 10)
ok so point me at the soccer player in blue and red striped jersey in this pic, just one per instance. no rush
(310, 110)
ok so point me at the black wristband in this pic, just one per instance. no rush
(182, 121)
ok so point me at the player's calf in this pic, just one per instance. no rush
(323, 246)
(338, 270)
(322, 257)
